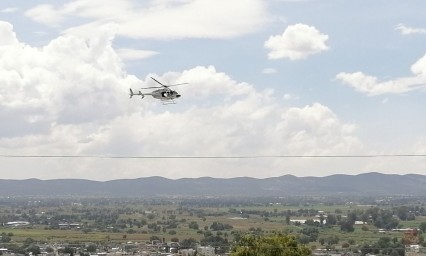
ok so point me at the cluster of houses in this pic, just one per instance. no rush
(145, 248)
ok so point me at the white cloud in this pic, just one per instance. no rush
(133, 54)
(409, 30)
(69, 80)
(297, 42)
(9, 10)
(289, 96)
(161, 19)
(269, 71)
(371, 85)
(46, 14)
(7, 36)
(70, 97)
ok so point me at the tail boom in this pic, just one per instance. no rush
(139, 93)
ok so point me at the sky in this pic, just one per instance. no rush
(266, 78)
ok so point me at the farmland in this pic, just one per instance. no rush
(316, 222)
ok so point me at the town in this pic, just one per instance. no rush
(210, 226)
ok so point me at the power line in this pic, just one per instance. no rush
(216, 157)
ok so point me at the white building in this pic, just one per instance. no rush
(205, 251)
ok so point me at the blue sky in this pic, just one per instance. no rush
(275, 77)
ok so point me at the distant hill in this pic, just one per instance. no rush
(362, 184)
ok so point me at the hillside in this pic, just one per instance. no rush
(362, 184)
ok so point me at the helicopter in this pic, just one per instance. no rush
(165, 94)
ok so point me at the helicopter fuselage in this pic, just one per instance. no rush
(165, 94)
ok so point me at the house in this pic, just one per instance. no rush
(206, 251)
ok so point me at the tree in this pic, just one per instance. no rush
(322, 218)
(287, 219)
(331, 220)
(347, 226)
(384, 219)
(193, 225)
(330, 240)
(34, 249)
(311, 232)
(28, 241)
(303, 239)
(68, 250)
(402, 212)
(188, 243)
(91, 248)
(219, 226)
(276, 245)
(321, 240)
(422, 227)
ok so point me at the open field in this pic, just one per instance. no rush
(118, 221)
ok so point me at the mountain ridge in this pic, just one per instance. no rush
(372, 183)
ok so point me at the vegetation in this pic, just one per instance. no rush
(349, 224)
(276, 245)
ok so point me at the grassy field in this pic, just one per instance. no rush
(203, 216)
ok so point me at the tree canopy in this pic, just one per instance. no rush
(276, 245)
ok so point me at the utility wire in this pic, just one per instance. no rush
(216, 157)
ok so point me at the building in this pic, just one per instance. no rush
(206, 251)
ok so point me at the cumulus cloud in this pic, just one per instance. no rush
(409, 30)
(69, 80)
(7, 36)
(371, 85)
(70, 97)
(160, 19)
(297, 42)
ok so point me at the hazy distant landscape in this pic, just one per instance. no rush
(368, 184)
(354, 224)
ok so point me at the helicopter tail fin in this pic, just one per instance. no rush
(131, 94)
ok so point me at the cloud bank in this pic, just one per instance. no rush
(371, 85)
(157, 19)
(70, 97)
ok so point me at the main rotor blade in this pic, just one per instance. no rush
(153, 87)
(164, 85)
(157, 81)
(176, 84)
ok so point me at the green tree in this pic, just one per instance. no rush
(28, 241)
(287, 219)
(188, 243)
(193, 225)
(34, 249)
(402, 212)
(422, 227)
(347, 226)
(311, 232)
(330, 240)
(385, 219)
(91, 248)
(276, 245)
(68, 250)
(331, 220)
